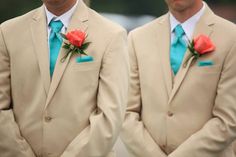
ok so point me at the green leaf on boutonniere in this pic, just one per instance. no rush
(85, 45)
(82, 52)
(63, 36)
(191, 47)
(66, 46)
(192, 50)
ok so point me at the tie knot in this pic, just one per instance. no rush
(179, 31)
(56, 26)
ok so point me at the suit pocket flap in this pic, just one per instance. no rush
(85, 66)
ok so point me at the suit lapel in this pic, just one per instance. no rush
(204, 26)
(39, 37)
(163, 47)
(78, 21)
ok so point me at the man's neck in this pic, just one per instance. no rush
(184, 15)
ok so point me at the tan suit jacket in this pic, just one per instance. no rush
(192, 114)
(79, 112)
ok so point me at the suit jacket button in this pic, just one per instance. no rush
(170, 114)
(48, 119)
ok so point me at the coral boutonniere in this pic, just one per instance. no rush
(199, 46)
(75, 43)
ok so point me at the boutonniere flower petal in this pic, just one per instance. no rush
(75, 43)
(199, 46)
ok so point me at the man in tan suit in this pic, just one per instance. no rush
(79, 109)
(190, 112)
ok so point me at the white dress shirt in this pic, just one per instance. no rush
(188, 26)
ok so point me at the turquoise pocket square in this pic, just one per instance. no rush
(82, 59)
(205, 63)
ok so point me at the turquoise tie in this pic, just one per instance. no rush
(178, 49)
(55, 41)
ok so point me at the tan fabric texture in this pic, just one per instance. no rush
(192, 114)
(76, 113)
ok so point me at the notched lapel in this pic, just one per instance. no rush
(39, 37)
(163, 43)
(78, 21)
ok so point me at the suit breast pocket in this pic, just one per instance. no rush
(86, 66)
(207, 69)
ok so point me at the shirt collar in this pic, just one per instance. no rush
(188, 25)
(64, 18)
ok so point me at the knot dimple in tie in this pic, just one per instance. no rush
(179, 31)
(56, 26)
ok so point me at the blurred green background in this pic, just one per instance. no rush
(12, 8)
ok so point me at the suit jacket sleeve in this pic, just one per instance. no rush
(219, 132)
(12, 143)
(106, 121)
(134, 134)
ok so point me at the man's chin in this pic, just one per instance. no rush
(178, 7)
(54, 2)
